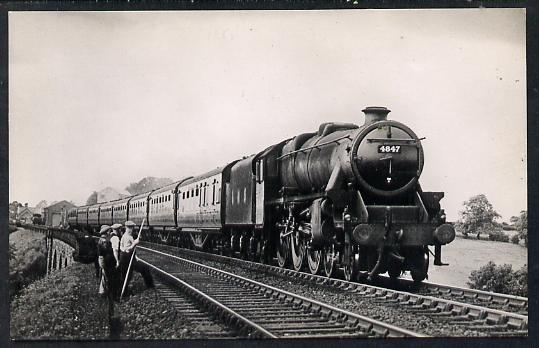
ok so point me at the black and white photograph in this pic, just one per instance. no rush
(267, 174)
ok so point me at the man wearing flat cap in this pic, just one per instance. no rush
(116, 273)
(127, 246)
(104, 257)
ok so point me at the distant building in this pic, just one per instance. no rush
(56, 214)
(25, 214)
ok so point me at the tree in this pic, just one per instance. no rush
(522, 226)
(478, 215)
(92, 199)
(147, 184)
(13, 209)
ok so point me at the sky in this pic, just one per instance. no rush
(101, 99)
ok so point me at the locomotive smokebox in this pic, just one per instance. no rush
(375, 114)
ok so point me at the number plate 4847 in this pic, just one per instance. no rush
(389, 149)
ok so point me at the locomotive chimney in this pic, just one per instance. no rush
(375, 114)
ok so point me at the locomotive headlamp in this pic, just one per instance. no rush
(399, 234)
(347, 217)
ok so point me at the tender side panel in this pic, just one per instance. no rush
(240, 200)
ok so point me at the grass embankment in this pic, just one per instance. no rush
(467, 255)
(27, 261)
(65, 306)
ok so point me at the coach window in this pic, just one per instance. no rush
(218, 198)
(204, 194)
(245, 195)
(213, 193)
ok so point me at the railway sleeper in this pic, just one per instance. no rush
(485, 297)
(298, 325)
(402, 297)
(341, 335)
(495, 318)
(501, 301)
(313, 330)
(517, 324)
(413, 301)
(263, 321)
(337, 316)
(247, 304)
(518, 303)
(459, 310)
(476, 313)
(262, 317)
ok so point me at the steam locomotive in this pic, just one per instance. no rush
(345, 197)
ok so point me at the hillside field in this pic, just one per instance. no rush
(467, 255)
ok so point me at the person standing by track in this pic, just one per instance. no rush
(116, 273)
(127, 246)
(106, 260)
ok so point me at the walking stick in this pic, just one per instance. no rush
(131, 260)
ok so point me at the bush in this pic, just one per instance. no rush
(515, 239)
(26, 265)
(12, 228)
(500, 279)
(498, 236)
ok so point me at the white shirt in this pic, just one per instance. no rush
(115, 241)
(126, 242)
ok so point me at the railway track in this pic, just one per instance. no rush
(449, 305)
(260, 310)
(208, 326)
(509, 303)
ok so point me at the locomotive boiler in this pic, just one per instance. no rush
(344, 197)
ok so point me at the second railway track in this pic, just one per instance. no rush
(440, 316)
(260, 310)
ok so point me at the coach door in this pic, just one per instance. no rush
(259, 203)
